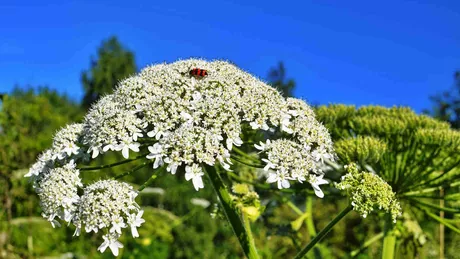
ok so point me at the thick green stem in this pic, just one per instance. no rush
(389, 240)
(309, 219)
(245, 239)
(323, 232)
(247, 225)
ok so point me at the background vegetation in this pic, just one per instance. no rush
(175, 228)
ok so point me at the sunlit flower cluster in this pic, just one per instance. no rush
(367, 192)
(108, 205)
(179, 122)
(64, 149)
(193, 121)
(104, 205)
(57, 189)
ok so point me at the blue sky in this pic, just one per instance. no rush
(354, 52)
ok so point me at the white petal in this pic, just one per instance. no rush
(151, 133)
(319, 193)
(107, 147)
(134, 231)
(285, 184)
(134, 147)
(174, 168)
(188, 176)
(268, 166)
(254, 125)
(320, 181)
(198, 183)
(238, 142)
(272, 177)
(279, 185)
(125, 152)
(95, 152)
(103, 246)
(114, 247)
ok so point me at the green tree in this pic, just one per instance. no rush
(28, 119)
(277, 79)
(447, 104)
(113, 64)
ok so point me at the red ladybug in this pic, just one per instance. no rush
(198, 72)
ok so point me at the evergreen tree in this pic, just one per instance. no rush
(447, 104)
(277, 79)
(113, 64)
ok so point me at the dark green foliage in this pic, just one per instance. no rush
(28, 119)
(113, 63)
(277, 78)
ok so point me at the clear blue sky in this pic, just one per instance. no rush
(354, 52)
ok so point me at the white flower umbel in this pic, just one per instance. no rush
(65, 141)
(64, 149)
(43, 164)
(57, 190)
(288, 160)
(180, 123)
(108, 205)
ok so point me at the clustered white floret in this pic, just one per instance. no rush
(106, 205)
(181, 122)
(57, 189)
(109, 205)
(65, 148)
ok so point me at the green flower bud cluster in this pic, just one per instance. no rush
(448, 139)
(247, 201)
(364, 149)
(375, 120)
(368, 192)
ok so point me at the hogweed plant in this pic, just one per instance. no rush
(198, 125)
(416, 155)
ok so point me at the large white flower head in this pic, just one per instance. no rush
(193, 121)
(178, 121)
